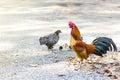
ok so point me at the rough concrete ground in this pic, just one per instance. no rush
(23, 22)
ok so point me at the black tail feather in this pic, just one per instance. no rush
(103, 44)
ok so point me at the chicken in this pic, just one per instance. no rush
(99, 46)
(50, 40)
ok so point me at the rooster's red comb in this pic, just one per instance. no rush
(71, 24)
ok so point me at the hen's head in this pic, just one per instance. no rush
(71, 24)
(58, 31)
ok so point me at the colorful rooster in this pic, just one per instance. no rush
(98, 47)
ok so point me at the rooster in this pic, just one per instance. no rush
(98, 47)
(50, 40)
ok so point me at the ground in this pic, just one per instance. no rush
(23, 22)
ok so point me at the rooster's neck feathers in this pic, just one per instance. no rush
(75, 33)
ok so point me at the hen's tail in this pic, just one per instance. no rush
(42, 40)
(103, 44)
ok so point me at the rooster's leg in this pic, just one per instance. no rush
(79, 64)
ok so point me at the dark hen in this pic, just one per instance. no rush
(50, 40)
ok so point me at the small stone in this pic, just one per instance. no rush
(60, 48)
(61, 75)
(33, 65)
(57, 61)
(113, 76)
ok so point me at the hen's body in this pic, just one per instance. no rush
(50, 40)
(99, 46)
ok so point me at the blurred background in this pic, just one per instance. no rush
(22, 22)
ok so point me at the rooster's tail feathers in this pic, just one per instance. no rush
(103, 44)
